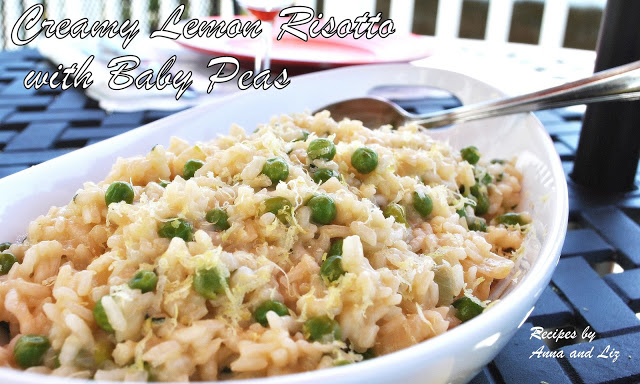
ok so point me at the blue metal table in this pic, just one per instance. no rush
(595, 287)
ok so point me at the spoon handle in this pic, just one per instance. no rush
(619, 83)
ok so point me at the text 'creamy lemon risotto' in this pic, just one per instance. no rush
(307, 244)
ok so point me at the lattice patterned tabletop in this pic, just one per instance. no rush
(596, 284)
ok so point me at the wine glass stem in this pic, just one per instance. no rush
(263, 57)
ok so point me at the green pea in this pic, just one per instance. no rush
(151, 377)
(321, 328)
(470, 154)
(144, 280)
(482, 206)
(209, 283)
(397, 212)
(364, 160)
(219, 218)
(303, 136)
(323, 174)
(511, 218)
(176, 228)
(479, 191)
(190, 168)
(279, 206)
(467, 308)
(100, 316)
(323, 209)
(119, 191)
(276, 169)
(368, 354)
(477, 224)
(335, 248)
(6, 262)
(422, 203)
(29, 350)
(163, 183)
(321, 149)
(331, 268)
(260, 314)
(4, 246)
(486, 179)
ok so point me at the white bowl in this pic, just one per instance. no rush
(455, 356)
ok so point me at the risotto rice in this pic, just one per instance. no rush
(304, 245)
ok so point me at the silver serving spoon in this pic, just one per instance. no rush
(619, 83)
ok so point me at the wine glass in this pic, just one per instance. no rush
(265, 11)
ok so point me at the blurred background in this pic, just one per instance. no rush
(553, 23)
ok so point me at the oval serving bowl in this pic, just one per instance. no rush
(455, 356)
